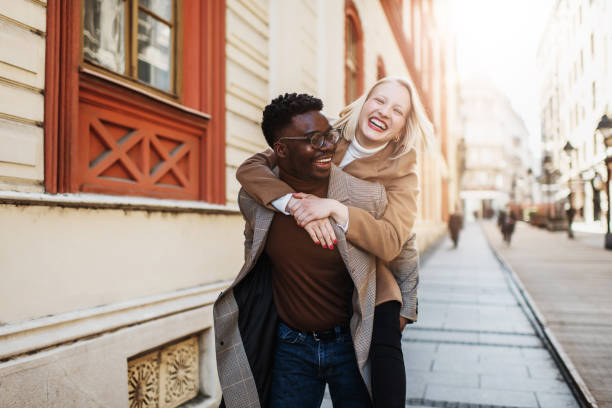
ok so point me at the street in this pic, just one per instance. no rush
(473, 344)
(570, 283)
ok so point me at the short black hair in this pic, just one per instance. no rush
(282, 109)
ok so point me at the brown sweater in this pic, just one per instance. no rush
(312, 288)
(384, 237)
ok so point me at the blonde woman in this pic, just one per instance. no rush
(380, 130)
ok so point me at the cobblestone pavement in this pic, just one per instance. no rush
(570, 282)
(473, 346)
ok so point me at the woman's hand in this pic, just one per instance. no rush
(321, 232)
(403, 322)
(307, 208)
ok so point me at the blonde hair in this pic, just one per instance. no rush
(417, 126)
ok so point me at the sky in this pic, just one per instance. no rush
(499, 39)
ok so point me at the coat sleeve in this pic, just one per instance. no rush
(405, 269)
(259, 181)
(246, 204)
(386, 236)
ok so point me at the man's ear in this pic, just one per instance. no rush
(281, 150)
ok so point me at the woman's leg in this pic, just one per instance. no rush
(388, 374)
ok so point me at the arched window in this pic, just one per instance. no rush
(353, 66)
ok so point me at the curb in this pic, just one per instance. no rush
(577, 385)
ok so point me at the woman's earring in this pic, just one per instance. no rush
(396, 138)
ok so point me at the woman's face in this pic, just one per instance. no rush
(383, 114)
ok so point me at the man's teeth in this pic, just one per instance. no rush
(378, 124)
(323, 160)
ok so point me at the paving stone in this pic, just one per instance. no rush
(517, 340)
(448, 378)
(543, 372)
(480, 368)
(499, 382)
(480, 396)
(548, 400)
(441, 336)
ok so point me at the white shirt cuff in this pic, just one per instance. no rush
(281, 204)
(344, 227)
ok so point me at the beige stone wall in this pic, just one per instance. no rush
(22, 70)
(247, 83)
(56, 260)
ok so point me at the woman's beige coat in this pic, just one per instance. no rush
(387, 238)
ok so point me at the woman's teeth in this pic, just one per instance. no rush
(378, 124)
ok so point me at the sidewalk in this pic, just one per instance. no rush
(473, 346)
(570, 281)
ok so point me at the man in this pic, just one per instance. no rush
(455, 223)
(299, 316)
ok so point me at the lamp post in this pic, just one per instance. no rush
(605, 128)
(568, 149)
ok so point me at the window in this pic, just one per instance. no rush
(116, 119)
(594, 92)
(132, 38)
(592, 45)
(353, 68)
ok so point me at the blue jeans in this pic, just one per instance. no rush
(303, 365)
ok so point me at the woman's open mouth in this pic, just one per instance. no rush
(377, 124)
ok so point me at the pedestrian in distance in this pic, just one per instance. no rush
(501, 218)
(508, 226)
(379, 134)
(455, 223)
(299, 316)
(570, 213)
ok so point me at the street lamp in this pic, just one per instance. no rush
(605, 127)
(568, 148)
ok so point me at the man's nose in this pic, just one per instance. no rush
(327, 145)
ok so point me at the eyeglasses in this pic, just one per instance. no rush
(317, 139)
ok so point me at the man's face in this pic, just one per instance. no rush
(298, 157)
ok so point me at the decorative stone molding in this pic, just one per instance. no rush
(143, 381)
(165, 378)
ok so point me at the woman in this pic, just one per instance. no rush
(380, 130)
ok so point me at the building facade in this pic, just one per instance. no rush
(122, 123)
(497, 168)
(575, 56)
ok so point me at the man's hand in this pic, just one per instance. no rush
(403, 322)
(309, 208)
(322, 233)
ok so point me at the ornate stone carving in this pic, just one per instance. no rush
(164, 378)
(143, 381)
(179, 373)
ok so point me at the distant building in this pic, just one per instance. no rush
(575, 60)
(497, 159)
(122, 123)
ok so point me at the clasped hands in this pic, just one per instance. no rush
(312, 213)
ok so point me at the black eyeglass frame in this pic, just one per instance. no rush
(325, 136)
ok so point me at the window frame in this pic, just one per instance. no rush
(202, 104)
(352, 17)
(131, 50)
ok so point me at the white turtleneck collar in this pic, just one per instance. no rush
(357, 151)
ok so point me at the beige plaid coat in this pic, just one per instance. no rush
(234, 367)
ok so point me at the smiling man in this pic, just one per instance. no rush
(299, 316)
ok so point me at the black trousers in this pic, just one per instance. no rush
(388, 374)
